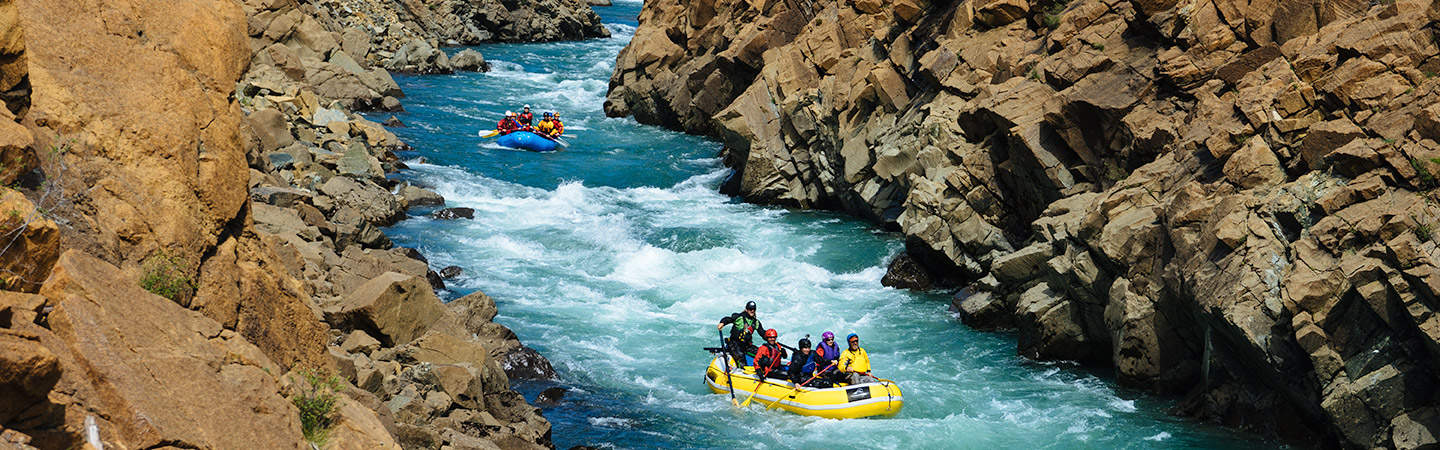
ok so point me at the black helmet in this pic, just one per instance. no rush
(750, 305)
(804, 343)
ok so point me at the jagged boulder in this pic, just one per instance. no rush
(469, 60)
(393, 307)
(418, 56)
(33, 243)
(371, 203)
(27, 373)
(1254, 165)
(270, 126)
(905, 273)
(411, 195)
(995, 13)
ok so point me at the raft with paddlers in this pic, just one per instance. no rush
(841, 401)
(516, 131)
(826, 382)
(526, 140)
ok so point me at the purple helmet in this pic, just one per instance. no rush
(827, 335)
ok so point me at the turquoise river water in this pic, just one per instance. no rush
(617, 257)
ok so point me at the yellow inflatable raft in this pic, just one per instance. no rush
(840, 402)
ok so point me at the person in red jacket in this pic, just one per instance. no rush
(526, 118)
(507, 125)
(768, 358)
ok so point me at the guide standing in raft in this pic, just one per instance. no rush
(742, 333)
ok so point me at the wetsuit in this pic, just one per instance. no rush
(742, 334)
(802, 367)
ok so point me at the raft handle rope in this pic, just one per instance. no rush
(886, 383)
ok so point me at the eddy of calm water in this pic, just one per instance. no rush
(617, 257)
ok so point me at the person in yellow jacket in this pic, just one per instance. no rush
(546, 127)
(854, 362)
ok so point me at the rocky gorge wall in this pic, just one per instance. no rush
(1229, 201)
(189, 225)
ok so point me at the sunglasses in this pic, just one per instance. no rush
(854, 341)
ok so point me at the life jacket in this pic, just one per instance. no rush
(526, 118)
(767, 359)
(825, 354)
(744, 328)
(506, 125)
(545, 127)
(559, 127)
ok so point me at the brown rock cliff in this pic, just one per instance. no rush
(1226, 200)
(207, 153)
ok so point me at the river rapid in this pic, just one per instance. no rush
(616, 257)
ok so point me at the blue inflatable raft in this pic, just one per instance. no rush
(526, 140)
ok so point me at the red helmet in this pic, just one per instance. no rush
(770, 333)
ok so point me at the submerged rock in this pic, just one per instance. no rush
(454, 213)
(525, 363)
(905, 273)
(450, 272)
(471, 60)
(550, 397)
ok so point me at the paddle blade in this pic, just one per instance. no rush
(489, 134)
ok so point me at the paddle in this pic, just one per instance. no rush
(725, 358)
(489, 134)
(757, 386)
(757, 391)
(797, 387)
(556, 139)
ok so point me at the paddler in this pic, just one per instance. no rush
(827, 353)
(546, 127)
(768, 357)
(854, 362)
(559, 126)
(526, 117)
(508, 124)
(742, 333)
(802, 363)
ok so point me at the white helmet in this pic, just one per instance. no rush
(509, 113)
(527, 106)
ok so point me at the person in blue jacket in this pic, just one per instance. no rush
(802, 363)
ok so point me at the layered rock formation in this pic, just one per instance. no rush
(1226, 200)
(190, 221)
(455, 22)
